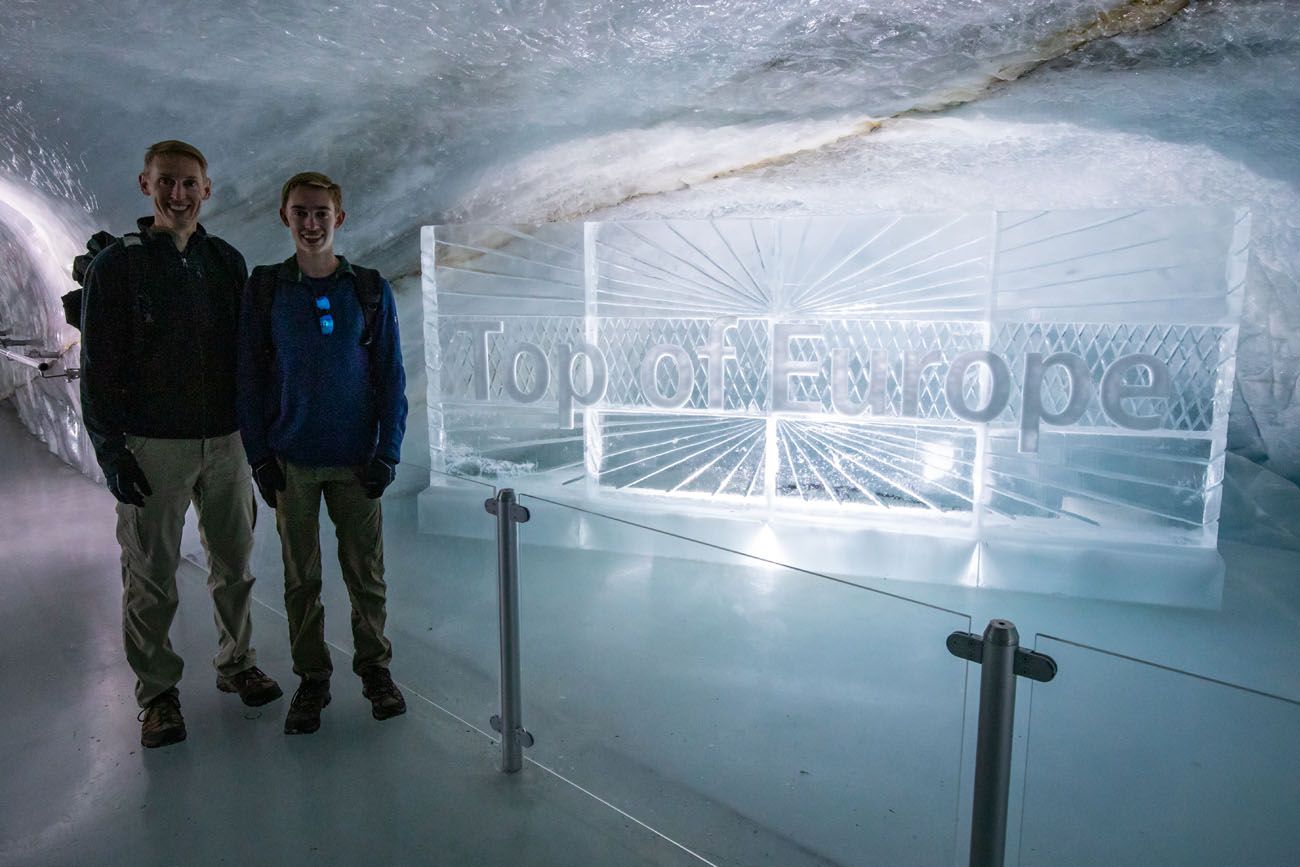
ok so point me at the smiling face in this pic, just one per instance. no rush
(312, 217)
(178, 187)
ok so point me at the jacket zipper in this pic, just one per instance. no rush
(192, 285)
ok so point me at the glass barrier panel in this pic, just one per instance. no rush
(1129, 762)
(751, 712)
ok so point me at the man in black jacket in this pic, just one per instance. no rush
(158, 352)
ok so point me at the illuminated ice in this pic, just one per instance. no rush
(654, 112)
(1068, 370)
(758, 108)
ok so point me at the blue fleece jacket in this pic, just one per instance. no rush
(319, 400)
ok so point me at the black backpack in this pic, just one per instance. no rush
(97, 243)
(369, 285)
(134, 246)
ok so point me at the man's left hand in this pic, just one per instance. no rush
(376, 476)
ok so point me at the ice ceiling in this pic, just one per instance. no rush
(490, 110)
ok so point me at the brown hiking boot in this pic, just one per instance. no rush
(161, 721)
(304, 711)
(255, 688)
(385, 698)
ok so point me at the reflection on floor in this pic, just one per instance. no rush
(77, 788)
(828, 713)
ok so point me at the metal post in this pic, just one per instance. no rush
(1002, 660)
(509, 723)
(988, 836)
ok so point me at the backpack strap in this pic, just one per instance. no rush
(262, 285)
(233, 261)
(369, 285)
(370, 295)
(146, 344)
(135, 268)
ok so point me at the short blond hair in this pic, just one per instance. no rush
(312, 179)
(176, 148)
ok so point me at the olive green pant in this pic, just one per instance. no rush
(358, 525)
(212, 474)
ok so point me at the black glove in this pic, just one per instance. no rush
(269, 478)
(126, 480)
(377, 475)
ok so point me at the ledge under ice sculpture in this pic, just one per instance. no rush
(985, 374)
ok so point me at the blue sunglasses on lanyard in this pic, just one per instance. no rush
(323, 313)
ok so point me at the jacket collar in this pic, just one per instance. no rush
(290, 271)
(148, 232)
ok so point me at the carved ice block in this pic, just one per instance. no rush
(1067, 371)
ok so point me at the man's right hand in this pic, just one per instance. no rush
(127, 482)
(269, 478)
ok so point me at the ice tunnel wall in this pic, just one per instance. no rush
(489, 112)
(38, 350)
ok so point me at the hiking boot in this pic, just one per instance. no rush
(304, 711)
(385, 698)
(161, 721)
(255, 688)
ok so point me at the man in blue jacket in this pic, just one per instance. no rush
(159, 316)
(322, 411)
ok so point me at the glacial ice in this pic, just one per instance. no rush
(1069, 370)
(491, 112)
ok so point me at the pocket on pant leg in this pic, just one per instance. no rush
(138, 445)
(231, 448)
(131, 540)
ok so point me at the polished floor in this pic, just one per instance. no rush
(691, 706)
(76, 788)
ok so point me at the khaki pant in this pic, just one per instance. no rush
(212, 474)
(358, 524)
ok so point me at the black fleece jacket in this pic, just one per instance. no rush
(160, 363)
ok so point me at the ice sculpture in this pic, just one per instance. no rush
(655, 103)
(1010, 373)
